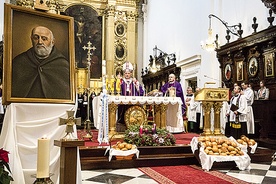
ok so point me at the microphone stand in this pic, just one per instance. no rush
(224, 85)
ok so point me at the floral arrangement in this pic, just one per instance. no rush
(5, 171)
(148, 135)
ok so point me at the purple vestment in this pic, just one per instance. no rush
(130, 89)
(179, 92)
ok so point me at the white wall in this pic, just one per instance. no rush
(180, 25)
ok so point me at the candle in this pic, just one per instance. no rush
(43, 158)
(153, 130)
(146, 130)
(141, 129)
(103, 68)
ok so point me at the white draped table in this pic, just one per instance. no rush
(23, 124)
(170, 111)
(242, 162)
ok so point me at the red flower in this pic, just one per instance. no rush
(4, 155)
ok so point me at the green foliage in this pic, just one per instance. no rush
(147, 138)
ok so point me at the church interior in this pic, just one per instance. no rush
(137, 91)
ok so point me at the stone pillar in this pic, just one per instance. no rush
(131, 39)
(109, 40)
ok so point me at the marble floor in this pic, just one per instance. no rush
(264, 173)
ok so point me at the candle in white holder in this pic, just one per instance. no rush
(43, 158)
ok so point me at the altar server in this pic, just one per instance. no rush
(191, 110)
(237, 113)
(249, 95)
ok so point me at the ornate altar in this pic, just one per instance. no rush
(167, 110)
(212, 98)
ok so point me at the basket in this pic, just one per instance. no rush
(129, 157)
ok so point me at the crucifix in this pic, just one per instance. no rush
(89, 48)
(87, 127)
(70, 122)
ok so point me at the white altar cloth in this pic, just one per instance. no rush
(174, 122)
(23, 124)
(243, 162)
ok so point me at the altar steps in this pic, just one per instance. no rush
(93, 157)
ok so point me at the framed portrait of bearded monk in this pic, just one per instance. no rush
(39, 56)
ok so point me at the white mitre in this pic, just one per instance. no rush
(127, 66)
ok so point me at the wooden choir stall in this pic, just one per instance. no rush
(252, 59)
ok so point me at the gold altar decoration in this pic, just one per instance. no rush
(161, 105)
(212, 98)
(135, 115)
(69, 122)
(81, 79)
(172, 92)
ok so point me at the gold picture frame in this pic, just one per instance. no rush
(120, 51)
(253, 66)
(239, 70)
(269, 64)
(58, 78)
(120, 29)
(228, 72)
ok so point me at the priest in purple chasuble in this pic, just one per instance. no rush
(178, 90)
(129, 87)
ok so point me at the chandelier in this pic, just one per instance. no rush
(212, 44)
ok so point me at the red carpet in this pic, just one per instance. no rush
(181, 138)
(188, 174)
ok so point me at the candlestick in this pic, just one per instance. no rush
(43, 158)
(113, 89)
(118, 85)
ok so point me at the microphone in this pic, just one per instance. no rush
(216, 80)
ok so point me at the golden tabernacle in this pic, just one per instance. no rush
(212, 98)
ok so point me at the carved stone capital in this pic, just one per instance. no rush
(110, 11)
(130, 15)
